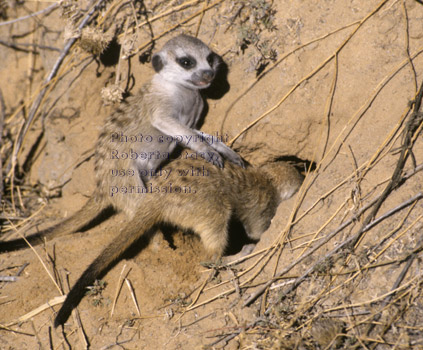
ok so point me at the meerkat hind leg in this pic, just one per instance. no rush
(213, 233)
(254, 228)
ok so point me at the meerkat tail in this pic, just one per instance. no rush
(130, 234)
(81, 218)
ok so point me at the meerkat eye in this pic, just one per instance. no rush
(211, 59)
(186, 62)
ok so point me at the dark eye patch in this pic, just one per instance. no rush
(186, 62)
(211, 59)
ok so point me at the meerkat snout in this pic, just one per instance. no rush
(203, 79)
(207, 75)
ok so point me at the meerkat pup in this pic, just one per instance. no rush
(143, 132)
(202, 198)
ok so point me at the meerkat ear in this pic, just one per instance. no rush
(157, 62)
(214, 60)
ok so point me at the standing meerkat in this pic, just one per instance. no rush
(200, 197)
(143, 132)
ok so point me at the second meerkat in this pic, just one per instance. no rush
(167, 111)
(202, 203)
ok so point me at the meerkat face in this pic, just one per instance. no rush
(187, 61)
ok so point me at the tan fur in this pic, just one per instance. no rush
(169, 105)
(204, 204)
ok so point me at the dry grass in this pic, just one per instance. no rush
(305, 303)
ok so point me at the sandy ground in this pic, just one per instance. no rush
(330, 86)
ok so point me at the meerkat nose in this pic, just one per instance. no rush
(207, 75)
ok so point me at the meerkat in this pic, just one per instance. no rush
(199, 197)
(143, 132)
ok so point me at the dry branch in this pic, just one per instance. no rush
(36, 104)
(396, 285)
(168, 30)
(408, 126)
(311, 74)
(413, 124)
(46, 10)
(46, 306)
(350, 242)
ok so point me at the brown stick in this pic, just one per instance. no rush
(412, 125)
(36, 104)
